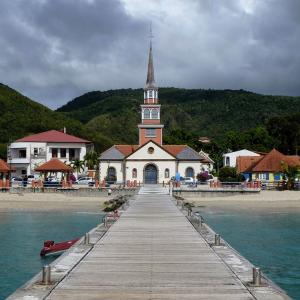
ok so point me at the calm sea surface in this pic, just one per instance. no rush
(269, 240)
(22, 236)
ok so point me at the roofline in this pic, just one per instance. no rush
(160, 146)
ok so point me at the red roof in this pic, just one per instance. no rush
(3, 166)
(54, 165)
(245, 163)
(53, 136)
(272, 162)
(174, 149)
(126, 149)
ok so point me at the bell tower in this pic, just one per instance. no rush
(150, 127)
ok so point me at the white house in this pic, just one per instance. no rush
(25, 154)
(150, 161)
(229, 159)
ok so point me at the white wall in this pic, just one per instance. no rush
(117, 165)
(158, 153)
(140, 165)
(182, 166)
(233, 155)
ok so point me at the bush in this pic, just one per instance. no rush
(229, 174)
(203, 176)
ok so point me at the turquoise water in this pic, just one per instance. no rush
(269, 240)
(22, 236)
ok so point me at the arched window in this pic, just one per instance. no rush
(134, 173)
(189, 172)
(150, 94)
(111, 175)
(167, 173)
(154, 113)
(146, 113)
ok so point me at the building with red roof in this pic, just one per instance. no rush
(29, 152)
(150, 161)
(268, 167)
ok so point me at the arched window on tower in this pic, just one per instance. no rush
(154, 113)
(146, 113)
(167, 173)
(150, 94)
(134, 173)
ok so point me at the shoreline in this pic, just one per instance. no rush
(51, 202)
(265, 201)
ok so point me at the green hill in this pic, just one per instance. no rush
(198, 112)
(21, 116)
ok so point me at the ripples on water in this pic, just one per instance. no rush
(22, 236)
(268, 240)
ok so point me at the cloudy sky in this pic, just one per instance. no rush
(55, 50)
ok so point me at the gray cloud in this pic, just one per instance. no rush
(55, 50)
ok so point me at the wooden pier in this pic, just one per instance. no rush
(154, 252)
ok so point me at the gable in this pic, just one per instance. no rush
(158, 154)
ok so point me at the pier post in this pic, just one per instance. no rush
(256, 276)
(87, 238)
(46, 276)
(217, 240)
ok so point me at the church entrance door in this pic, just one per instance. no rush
(150, 174)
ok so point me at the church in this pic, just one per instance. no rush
(151, 161)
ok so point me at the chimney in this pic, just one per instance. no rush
(65, 130)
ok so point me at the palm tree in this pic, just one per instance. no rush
(77, 165)
(92, 162)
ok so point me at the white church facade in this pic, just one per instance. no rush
(150, 161)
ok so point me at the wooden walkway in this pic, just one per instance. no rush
(151, 252)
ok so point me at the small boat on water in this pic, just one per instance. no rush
(50, 247)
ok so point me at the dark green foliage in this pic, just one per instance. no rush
(286, 129)
(229, 174)
(21, 116)
(231, 119)
(185, 113)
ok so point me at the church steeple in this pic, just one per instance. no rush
(150, 127)
(150, 82)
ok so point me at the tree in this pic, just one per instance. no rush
(91, 160)
(290, 173)
(229, 174)
(77, 165)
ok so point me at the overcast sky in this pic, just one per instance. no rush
(55, 50)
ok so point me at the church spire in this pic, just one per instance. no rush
(150, 82)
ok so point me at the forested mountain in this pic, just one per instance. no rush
(192, 112)
(231, 119)
(20, 116)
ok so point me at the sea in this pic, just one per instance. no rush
(269, 240)
(21, 239)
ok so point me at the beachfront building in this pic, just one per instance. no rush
(229, 159)
(27, 153)
(150, 161)
(268, 167)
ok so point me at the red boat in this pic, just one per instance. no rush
(51, 248)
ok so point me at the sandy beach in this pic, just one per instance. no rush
(264, 201)
(38, 202)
